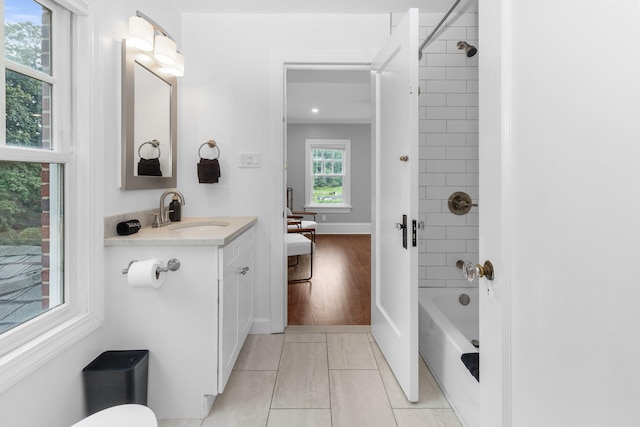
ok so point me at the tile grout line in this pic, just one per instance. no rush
(326, 340)
(384, 385)
(275, 381)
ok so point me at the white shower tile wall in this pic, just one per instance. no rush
(448, 149)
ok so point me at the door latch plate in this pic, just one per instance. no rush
(404, 231)
(414, 233)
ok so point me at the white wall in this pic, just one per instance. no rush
(53, 394)
(227, 96)
(448, 149)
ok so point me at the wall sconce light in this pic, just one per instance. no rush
(140, 34)
(178, 68)
(147, 35)
(164, 50)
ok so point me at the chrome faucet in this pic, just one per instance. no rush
(162, 217)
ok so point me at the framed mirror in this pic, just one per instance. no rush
(149, 122)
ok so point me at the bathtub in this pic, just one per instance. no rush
(446, 330)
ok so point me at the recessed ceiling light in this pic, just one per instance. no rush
(314, 110)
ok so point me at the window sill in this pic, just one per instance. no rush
(328, 209)
(22, 361)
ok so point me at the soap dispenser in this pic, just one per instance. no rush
(175, 209)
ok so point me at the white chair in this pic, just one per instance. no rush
(296, 220)
(300, 242)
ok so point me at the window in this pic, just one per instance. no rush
(46, 299)
(31, 240)
(327, 186)
(32, 183)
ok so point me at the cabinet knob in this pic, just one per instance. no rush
(244, 270)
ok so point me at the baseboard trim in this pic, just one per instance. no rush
(261, 326)
(343, 228)
(207, 404)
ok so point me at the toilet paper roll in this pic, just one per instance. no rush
(143, 274)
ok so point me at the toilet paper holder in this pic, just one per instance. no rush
(172, 265)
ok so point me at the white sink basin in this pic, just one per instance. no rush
(198, 226)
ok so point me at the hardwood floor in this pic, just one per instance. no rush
(339, 293)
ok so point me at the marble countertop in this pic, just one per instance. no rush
(195, 231)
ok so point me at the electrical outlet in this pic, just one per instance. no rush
(324, 217)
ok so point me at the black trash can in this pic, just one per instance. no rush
(116, 377)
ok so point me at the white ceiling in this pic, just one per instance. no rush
(340, 96)
(314, 6)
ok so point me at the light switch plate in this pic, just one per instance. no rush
(250, 160)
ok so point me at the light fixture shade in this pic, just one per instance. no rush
(177, 69)
(165, 50)
(140, 34)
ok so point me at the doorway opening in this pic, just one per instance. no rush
(328, 103)
(447, 157)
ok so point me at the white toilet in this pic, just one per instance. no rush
(121, 416)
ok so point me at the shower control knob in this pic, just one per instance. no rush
(460, 203)
(473, 271)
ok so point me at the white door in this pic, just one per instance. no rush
(394, 294)
(559, 324)
(494, 226)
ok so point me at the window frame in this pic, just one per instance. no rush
(35, 342)
(330, 144)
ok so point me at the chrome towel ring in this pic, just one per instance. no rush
(155, 143)
(211, 143)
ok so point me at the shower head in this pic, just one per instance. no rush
(470, 50)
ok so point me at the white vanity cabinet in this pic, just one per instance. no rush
(235, 301)
(195, 324)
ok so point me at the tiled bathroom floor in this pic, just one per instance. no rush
(317, 376)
